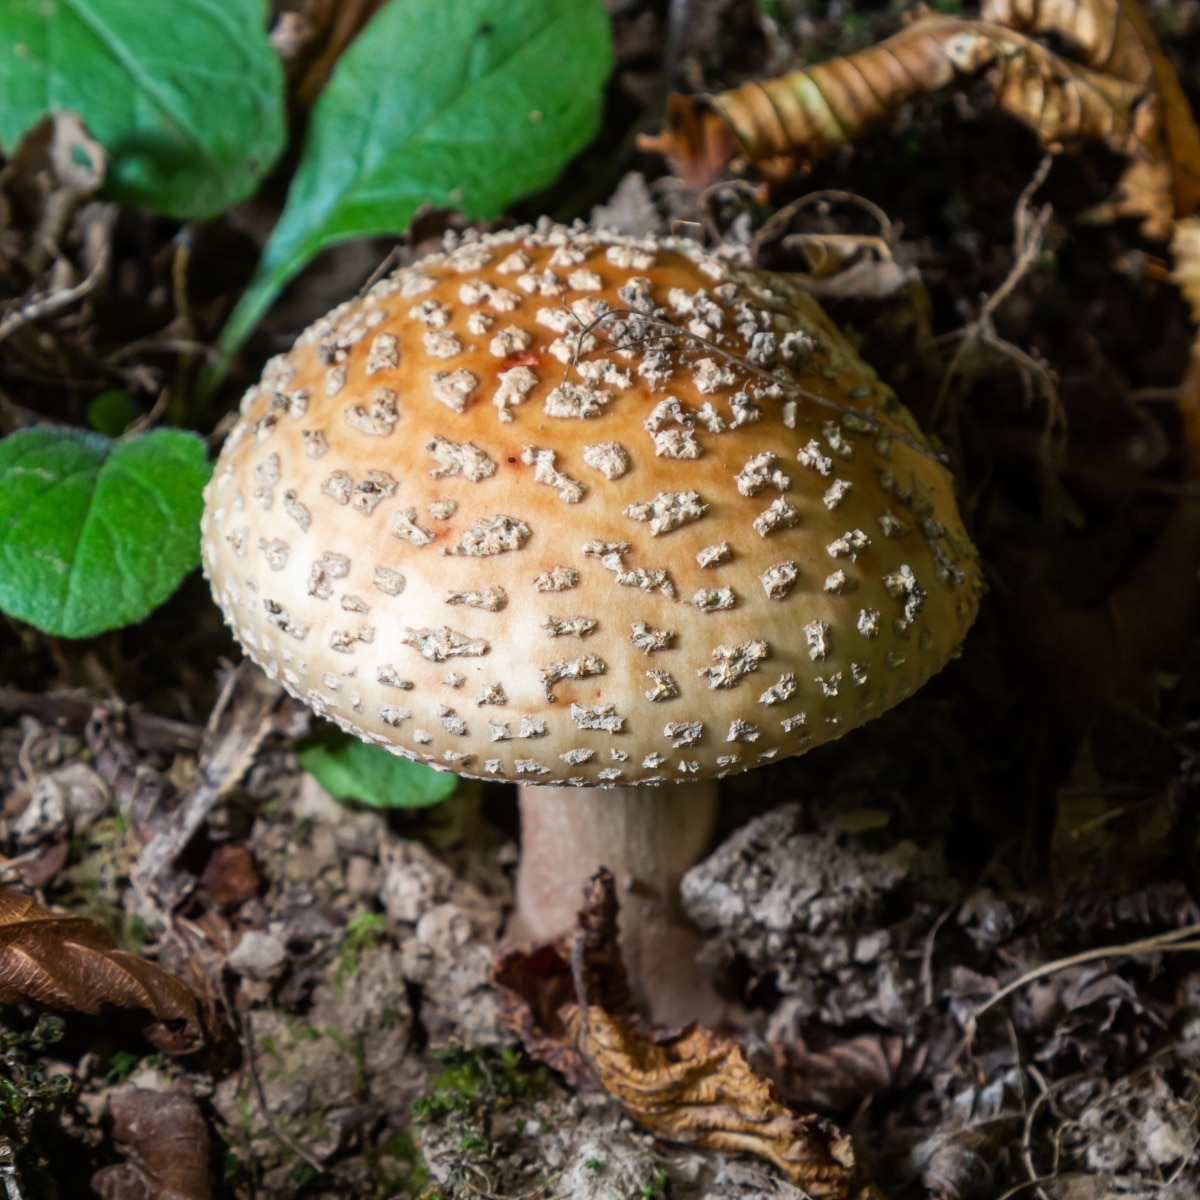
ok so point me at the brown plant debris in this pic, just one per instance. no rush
(783, 124)
(697, 1088)
(693, 1086)
(1126, 97)
(1115, 37)
(166, 1146)
(73, 963)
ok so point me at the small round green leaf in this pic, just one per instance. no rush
(352, 769)
(94, 534)
(110, 413)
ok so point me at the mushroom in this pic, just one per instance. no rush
(608, 518)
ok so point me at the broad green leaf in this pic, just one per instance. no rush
(186, 97)
(347, 767)
(94, 533)
(465, 104)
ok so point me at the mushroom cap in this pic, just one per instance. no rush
(564, 507)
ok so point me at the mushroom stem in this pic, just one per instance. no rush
(647, 837)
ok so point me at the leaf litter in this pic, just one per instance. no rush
(866, 933)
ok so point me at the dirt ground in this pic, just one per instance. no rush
(967, 933)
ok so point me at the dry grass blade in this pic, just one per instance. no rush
(73, 963)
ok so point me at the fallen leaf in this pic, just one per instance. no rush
(535, 982)
(569, 1003)
(165, 1143)
(73, 963)
(698, 1088)
(538, 981)
(838, 1073)
(1114, 36)
(231, 875)
(322, 33)
(792, 122)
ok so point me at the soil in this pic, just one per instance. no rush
(967, 933)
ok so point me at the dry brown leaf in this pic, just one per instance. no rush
(73, 963)
(1115, 37)
(698, 1088)
(792, 122)
(534, 983)
(569, 1003)
(1185, 247)
(166, 1145)
(838, 1072)
(537, 983)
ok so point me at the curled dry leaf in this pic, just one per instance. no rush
(73, 963)
(794, 121)
(1114, 36)
(698, 1088)
(166, 1146)
(569, 1003)
(538, 982)
(1126, 96)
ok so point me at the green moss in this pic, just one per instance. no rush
(364, 930)
(30, 1103)
(474, 1083)
(474, 1076)
(656, 1187)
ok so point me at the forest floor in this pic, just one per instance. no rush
(989, 979)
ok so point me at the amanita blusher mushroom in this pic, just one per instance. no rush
(572, 509)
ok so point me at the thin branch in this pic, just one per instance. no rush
(42, 304)
(1186, 938)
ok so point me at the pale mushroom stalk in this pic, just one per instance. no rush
(648, 841)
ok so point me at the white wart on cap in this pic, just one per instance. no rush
(558, 507)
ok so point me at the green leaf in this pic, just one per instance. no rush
(186, 98)
(464, 105)
(347, 767)
(94, 533)
(110, 413)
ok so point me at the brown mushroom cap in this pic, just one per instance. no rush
(472, 518)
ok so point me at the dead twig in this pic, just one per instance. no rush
(261, 1096)
(1029, 235)
(882, 242)
(71, 712)
(42, 304)
(248, 709)
(1185, 938)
